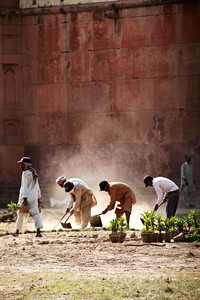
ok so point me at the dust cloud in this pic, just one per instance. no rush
(92, 165)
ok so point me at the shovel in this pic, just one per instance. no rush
(60, 221)
(65, 224)
(142, 220)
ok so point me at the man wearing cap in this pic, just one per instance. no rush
(122, 193)
(166, 190)
(29, 196)
(188, 181)
(82, 199)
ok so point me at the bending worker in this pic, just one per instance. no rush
(122, 193)
(82, 199)
(166, 190)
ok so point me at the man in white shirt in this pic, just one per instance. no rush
(165, 189)
(82, 199)
(29, 196)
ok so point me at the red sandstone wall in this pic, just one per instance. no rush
(102, 98)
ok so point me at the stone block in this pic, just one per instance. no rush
(139, 93)
(80, 35)
(191, 125)
(32, 132)
(138, 31)
(9, 157)
(189, 25)
(168, 29)
(80, 66)
(101, 65)
(114, 128)
(189, 59)
(11, 44)
(102, 34)
(81, 128)
(58, 95)
(36, 69)
(46, 129)
(46, 99)
(89, 97)
(171, 93)
(121, 63)
(157, 126)
(157, 61)
(192, 92)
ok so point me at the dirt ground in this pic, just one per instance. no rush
(89, 251)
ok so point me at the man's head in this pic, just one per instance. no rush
(61, 180)
(148, 180)
(188, 157)
(68, 186)
(104, 186)
(24, 162)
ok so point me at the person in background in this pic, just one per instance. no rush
(166, 190)
(188, 181)
(82, 199)
(122, 193)
(29, 196)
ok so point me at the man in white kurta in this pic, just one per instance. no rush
(29, 196)
(82, 197)
(188, 182)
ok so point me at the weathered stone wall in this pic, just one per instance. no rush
(100, 93)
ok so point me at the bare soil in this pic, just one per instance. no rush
(90, 251)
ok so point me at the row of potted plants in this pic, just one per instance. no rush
(156, 228)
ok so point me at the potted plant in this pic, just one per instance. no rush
(122, 227)
(160, 226)
(115, 234)
(194, 216)
(148, 234)
(168, 230)
(13, 207)
(12, 210)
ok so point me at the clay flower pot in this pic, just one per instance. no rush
(168, 236)
(160, 237)
(122, 237)
(146, 236)
(114, 237)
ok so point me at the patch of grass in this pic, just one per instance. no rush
(168, 285)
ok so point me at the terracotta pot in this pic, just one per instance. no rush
(95, 221)
(122, 237)
(147, 236)
(160, 237)
(114, 237)
(168, 236)
(154, 237)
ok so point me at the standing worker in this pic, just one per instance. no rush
(82, 197)
(166, 190)
(121, 192)
(188, 181)
(29, 196)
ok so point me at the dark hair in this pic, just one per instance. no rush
(147, 179)
(68, 186)
(102, 185)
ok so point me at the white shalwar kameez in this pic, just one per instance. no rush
(29, 189)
